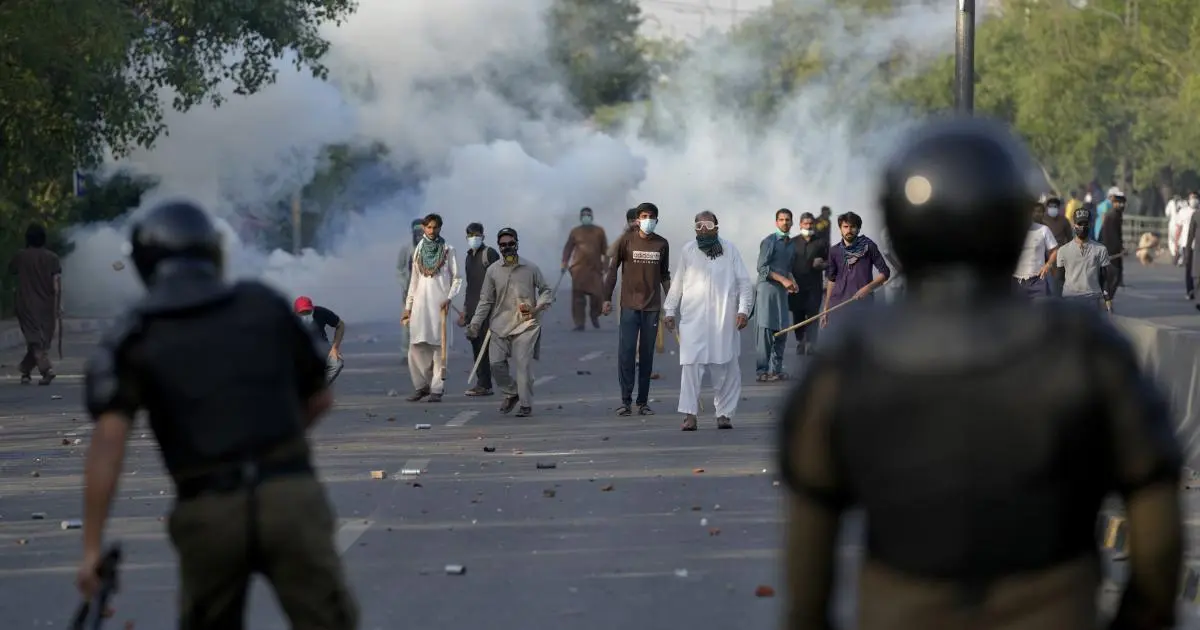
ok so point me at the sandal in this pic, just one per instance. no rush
(508, 404)
(689, 424)
(524, 412)
(762, 378)
(434, 398)
(624, 410)
(418, 395)
(645, 410)
(724, 423)
(478, 391)
(781, 376)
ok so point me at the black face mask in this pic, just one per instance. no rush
(1080, 230)
(508, 249)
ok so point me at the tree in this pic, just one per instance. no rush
(595, 44)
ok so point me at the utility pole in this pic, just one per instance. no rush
(964, 58)
(296, 233)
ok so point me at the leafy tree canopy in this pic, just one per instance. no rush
(596, 46)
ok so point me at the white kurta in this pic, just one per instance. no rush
(425, 298)
(705, 298)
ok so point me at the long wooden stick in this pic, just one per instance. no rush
(445, 337)
(479, 359)
(822, 314)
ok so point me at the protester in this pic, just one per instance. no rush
(1171, 211)
(38, 302)
(1103, 208)
(514, 294)
(1085, 266)
(710, 300)
(584, 256)
(643, 260)
(1112, 236)
(776, 255)
(851, 262)
(1060, 227)
(808, 265)
(404, 267)
(479, 258)
(318, 319)
(1185, 220)
(1036, 259)
(435, 281)
(824, 224)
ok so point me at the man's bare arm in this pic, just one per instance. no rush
(101, 472)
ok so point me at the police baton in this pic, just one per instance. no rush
(91, 613)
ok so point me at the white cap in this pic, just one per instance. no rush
(1115, 192)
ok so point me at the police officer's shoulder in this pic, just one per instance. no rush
(102, 370)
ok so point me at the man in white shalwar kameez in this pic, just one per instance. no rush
(710, 299)
(434, 282)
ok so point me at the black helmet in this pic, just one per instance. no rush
(175, 230)
(957, 194)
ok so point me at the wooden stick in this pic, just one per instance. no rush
(475, 370)
(821, 314)
(445, 338)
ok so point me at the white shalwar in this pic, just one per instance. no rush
(706, 296)
(425, 322)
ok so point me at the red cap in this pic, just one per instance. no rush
(303, 304)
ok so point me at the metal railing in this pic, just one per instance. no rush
(1133, 226)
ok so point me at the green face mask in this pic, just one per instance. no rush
(586, 219)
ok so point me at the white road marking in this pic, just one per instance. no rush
(462, 418)
(349, 534)
(591, 356)
(542, 380)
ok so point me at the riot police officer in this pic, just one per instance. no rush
(980, 485)
(232, 382)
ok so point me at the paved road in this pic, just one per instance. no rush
(625, 530)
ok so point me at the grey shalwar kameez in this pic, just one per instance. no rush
(505, 288)
(771, 313)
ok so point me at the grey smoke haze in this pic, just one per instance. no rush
(410, 75)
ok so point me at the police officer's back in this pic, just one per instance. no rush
(231, 381)
(979, 480)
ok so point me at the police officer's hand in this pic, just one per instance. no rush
(405, 317)
(86, 578)
(462, 320)
(669, 322)
(606, 308)
(472, 332)
(742, 320)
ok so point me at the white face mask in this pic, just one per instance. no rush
(474, 242)
(1052, 211)
(805, 232)
(306, 318)
(648, 225)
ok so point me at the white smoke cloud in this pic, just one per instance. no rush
(417, 68)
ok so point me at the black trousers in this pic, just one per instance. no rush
(1189, 283)
(804, 304)
(483, 377)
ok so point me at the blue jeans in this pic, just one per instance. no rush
(635, 344)
(769, 350)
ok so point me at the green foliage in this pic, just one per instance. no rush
(1097, 95)
(79, 78)
(596, 46)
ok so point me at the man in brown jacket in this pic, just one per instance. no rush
(585, 255)
(39, 301)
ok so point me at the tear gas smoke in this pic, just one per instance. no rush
(503, 150)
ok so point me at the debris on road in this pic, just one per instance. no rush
(22, 542)
(608, 488)
(582, 373)
(56, 397)
(72, 524)
(391, 393)
(697, 471)
(379, 474)
(391, 419)
(410, 472)
(716, 531)
(66, 442)
(546, 465)
(681, 573)
(38, 516)
(703, 522)
(549, 493)
(489, 449)
(455, 569)
(35, 474)
(764, 591)
(118, 266)
(424, 427)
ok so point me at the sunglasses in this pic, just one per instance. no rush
(706, 225)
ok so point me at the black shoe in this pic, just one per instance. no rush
(508, 404)
(578, 328)
(624, 410)
(417, 395)
(47, 378)
(645, 410)
(524, 412)
(434, 398)
(28, 380)
(596, 322)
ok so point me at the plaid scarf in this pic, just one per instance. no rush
(431, 255)
(710, 245)
(855, 250)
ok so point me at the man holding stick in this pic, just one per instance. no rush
(513, 294)
(39, 303)
(711, 300)
(584, 257)
(776, 254)
(850, 265)
(435, 281)
(479, 258)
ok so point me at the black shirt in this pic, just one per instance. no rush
(478, 260)
(223, 381)
(807, 278)
(323, 318)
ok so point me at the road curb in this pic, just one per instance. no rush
(12, 338)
